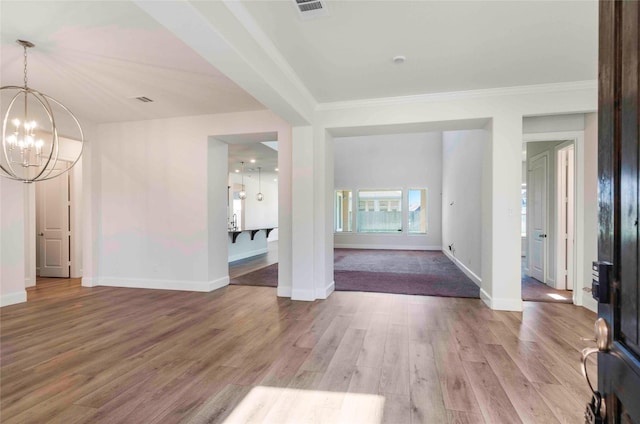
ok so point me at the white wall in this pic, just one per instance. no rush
(162, 187)
(12, 242)
(553, 123)
(462, 155)
(257, 214)
(399, 161)
(589, 228)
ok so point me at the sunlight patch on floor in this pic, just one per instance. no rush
(283, 405)
(556, 296)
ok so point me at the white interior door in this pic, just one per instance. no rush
(566, 202)
(52, 226)
(537, 201)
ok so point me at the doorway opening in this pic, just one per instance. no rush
(53, 226)
(548, 216)
(252, 208)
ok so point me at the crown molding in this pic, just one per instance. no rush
(461, 95)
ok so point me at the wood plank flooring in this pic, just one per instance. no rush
(240, 354)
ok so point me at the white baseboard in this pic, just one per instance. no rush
(590, 303)
(13, 298)
(245, 255)
(323, 293)
(283, 291)
(305, 295)
(140, 283)
(472, 275)
(384, 247)
(501, 304)
(89, 282)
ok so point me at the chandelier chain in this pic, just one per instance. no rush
(25, 66)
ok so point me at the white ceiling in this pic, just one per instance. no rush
(94, 55)
(247, 147)
(449, 45)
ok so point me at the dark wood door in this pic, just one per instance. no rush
(619, 124)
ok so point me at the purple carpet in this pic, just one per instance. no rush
(385, 271)
(428, 273)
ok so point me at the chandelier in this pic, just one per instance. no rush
(243, 194)
(259, 196)
(31, 147)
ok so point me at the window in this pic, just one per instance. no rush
(417, 219)
(343, 212)
(379, 211)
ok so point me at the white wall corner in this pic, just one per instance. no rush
(324, 292)
(13, 298)
(219, 283)
(501, 304)
(29, 282)
(143, 283)
(472, 276)
(90, 281)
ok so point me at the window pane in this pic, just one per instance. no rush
(343, 214)
(379, 211)
(418, 211)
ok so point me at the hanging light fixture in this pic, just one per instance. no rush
(30, 145)
(243, 194)
(259, 196)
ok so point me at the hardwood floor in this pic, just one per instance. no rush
(240, 354)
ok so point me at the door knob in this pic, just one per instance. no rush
(41, 234)
(542, 235)
(602, 335)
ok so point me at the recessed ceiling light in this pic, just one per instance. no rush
(252, 161)
(275, 179)
(276, 169)
(237, 170)
(399, 60)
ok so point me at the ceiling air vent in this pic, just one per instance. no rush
(309, 9)
(143, 99)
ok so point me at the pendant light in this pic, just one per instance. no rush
(243, 194)
(259, 196)
(31, 149)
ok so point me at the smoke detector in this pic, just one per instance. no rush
(310, 9)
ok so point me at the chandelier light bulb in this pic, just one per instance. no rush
(242, 195)
(260, 197)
